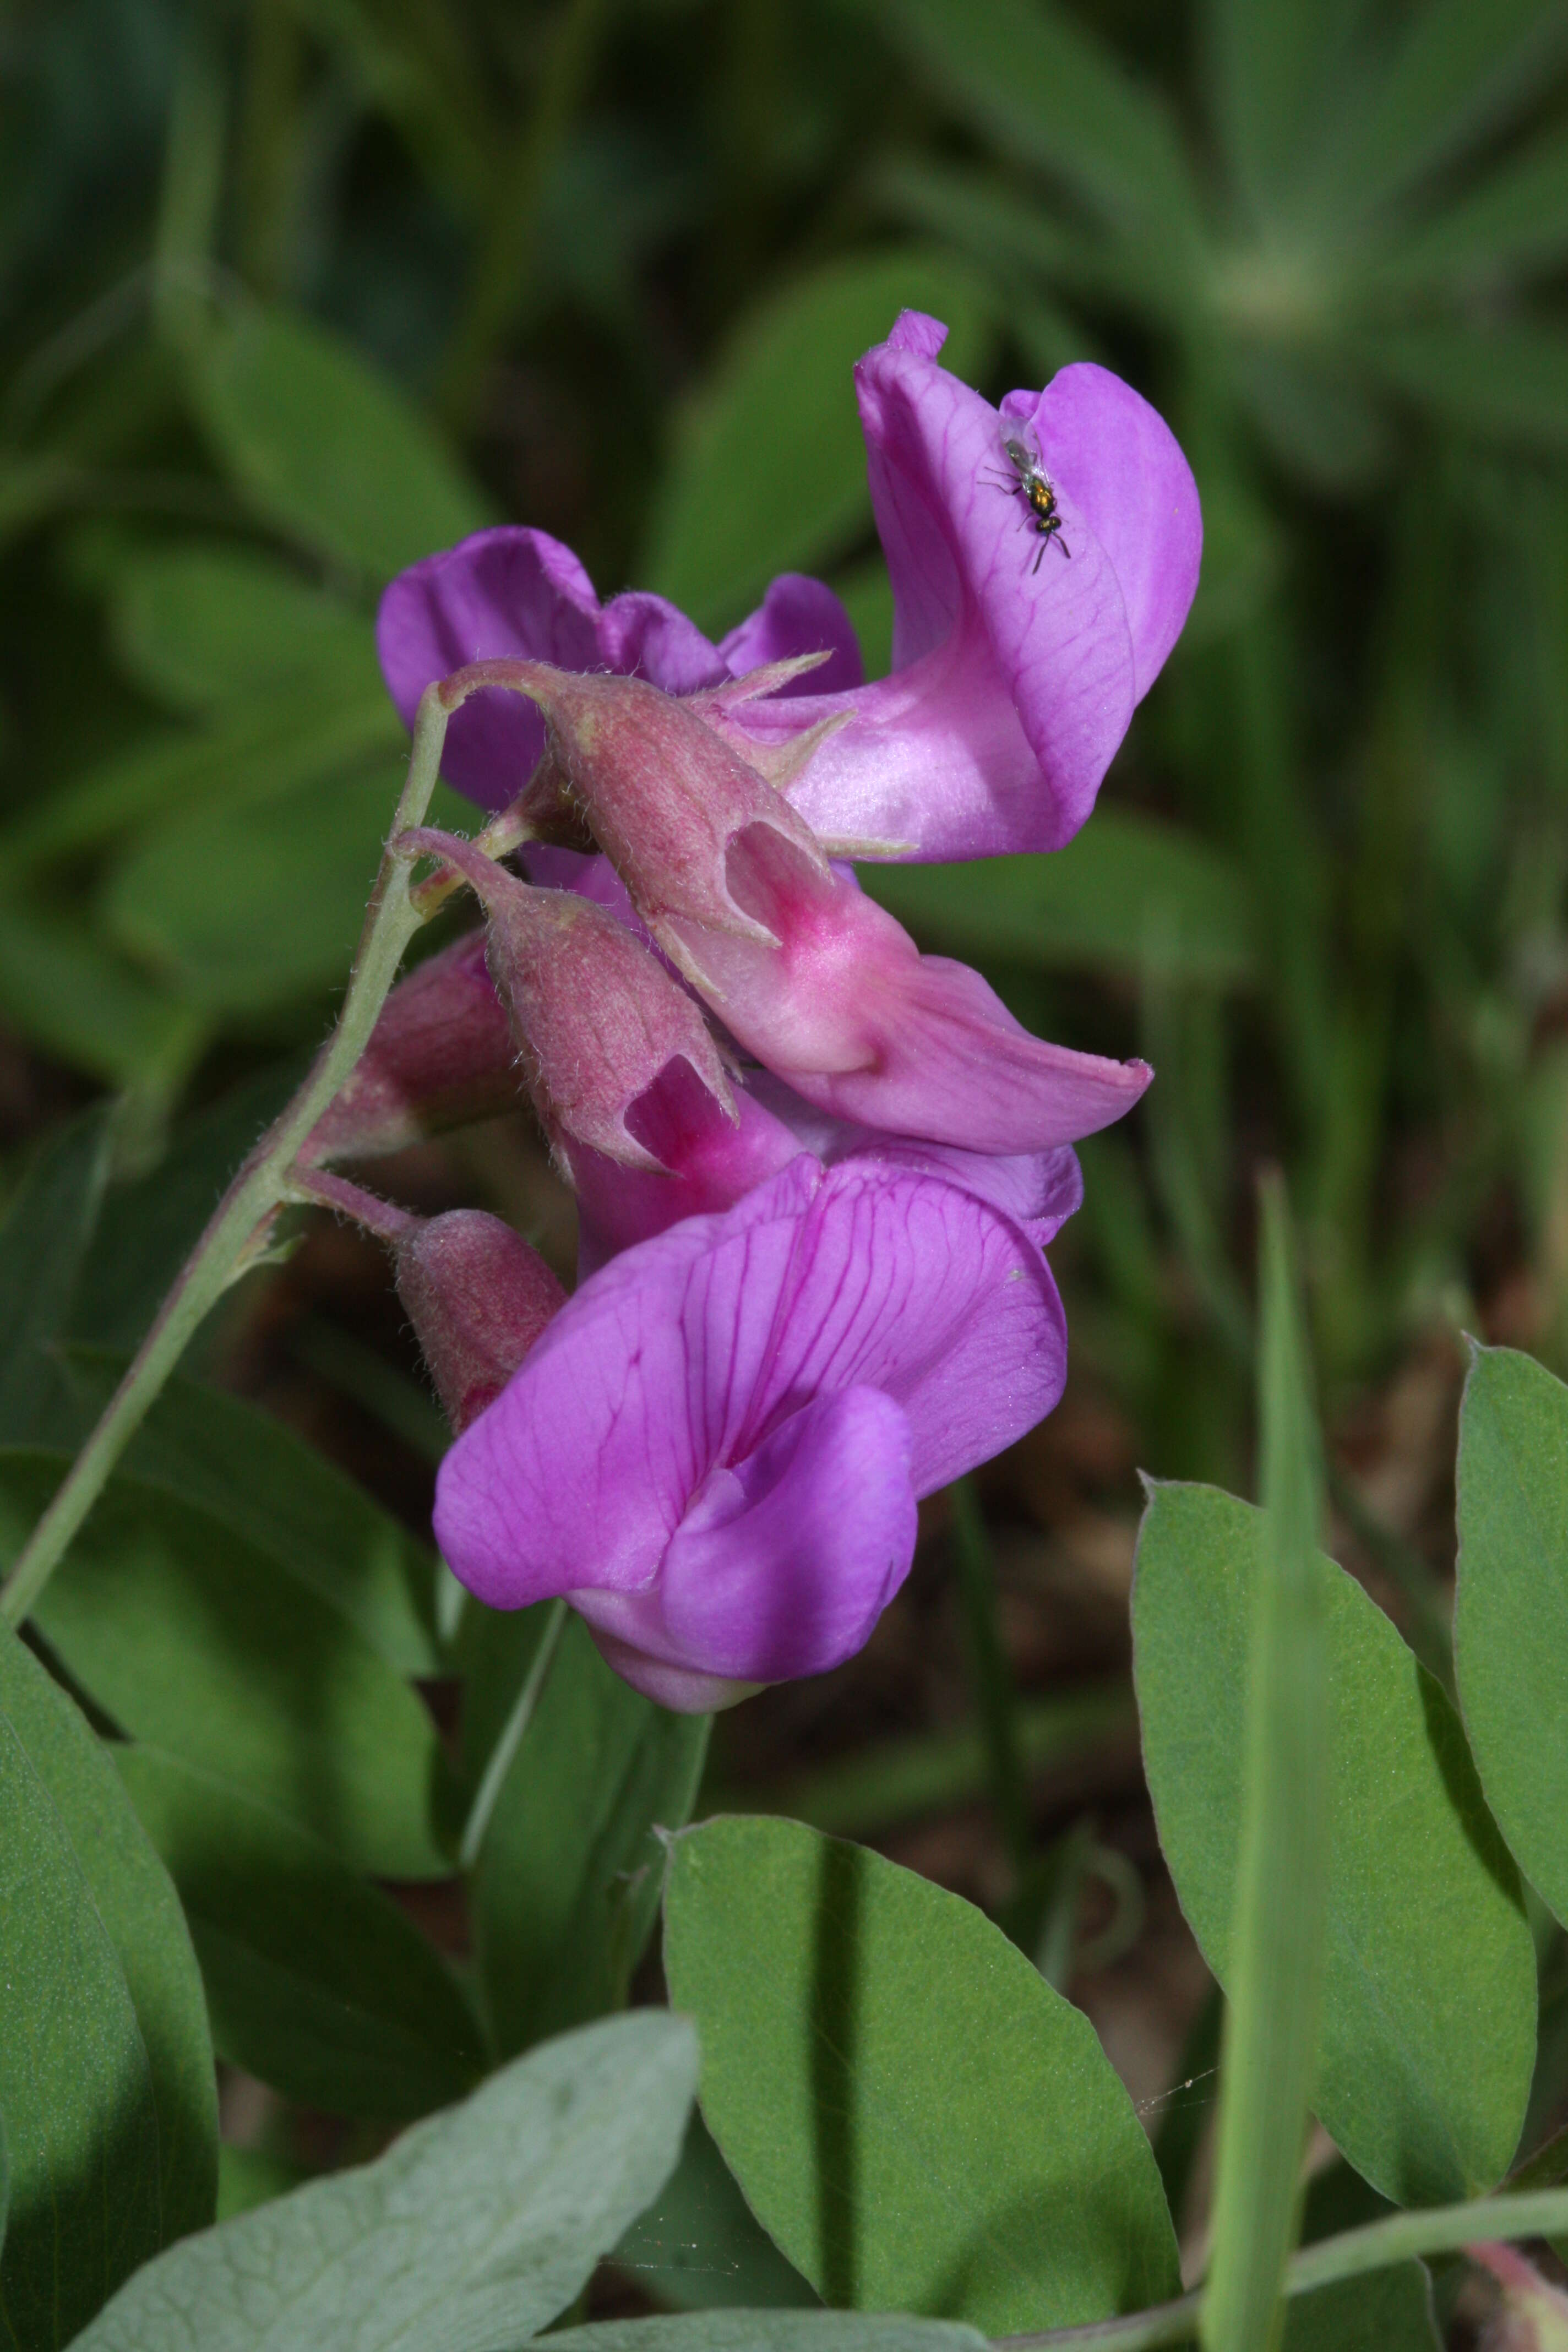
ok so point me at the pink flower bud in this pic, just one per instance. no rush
(594, 1017)
(665, 795)
(440, 1053)
(1532, 2315)
(478, 1297)
(810, 976)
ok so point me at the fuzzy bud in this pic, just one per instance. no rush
(440, 1053)
(666, 794)
(1533, 2315)
(594, 1017)
(478, 1297)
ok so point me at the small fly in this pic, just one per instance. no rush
(1031, 483)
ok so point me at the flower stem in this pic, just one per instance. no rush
(237, 1233)
(513, 1733)
(991, 1675)
(1402, 2237)
(317, 1188)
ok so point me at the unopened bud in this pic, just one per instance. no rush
(440, 1053)
(478, 1297)
(666, 792)
(594, 1017)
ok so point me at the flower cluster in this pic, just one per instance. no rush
(816, 1168)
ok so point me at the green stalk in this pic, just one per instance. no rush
(995, 1698)
(192, 191)
(1378, 2245)
(1278, 1925)
(240, 1224)
(513, 1733)
(506, 267)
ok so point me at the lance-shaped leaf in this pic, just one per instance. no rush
(316, 1982)
(1512, 1617)
(1275, 1935)
(468, 2235)
(106, 2076)
(187, 1635)
(1427, 2028)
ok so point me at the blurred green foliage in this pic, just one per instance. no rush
(295, 290)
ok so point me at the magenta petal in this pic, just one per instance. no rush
(517, 593)
(1012, 686)
(1017, 666)
(709, 1163)
(1055, 630)
(581, 1470)
(1039, 1190)
(783, 1564)
(956, 1067)
(503, 593)
(798, 615)
(1119, 463)
(643, 636)
(683, 1359)
(916, 330)
(901, 1282)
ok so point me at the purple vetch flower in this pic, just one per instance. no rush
(1013, 682)
(1013, 678)
(826, 988)
(707, 1163)
(478, 1297)
(595, 1018)
(715, 1449)
(441, 1055)
(513, 593)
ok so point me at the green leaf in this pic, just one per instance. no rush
(189, 1637)
(1015, 243)
(196, 626)
(1127, 894)
(150, 1223)
(1052, 98)
(246, 909)
(769, 471)
(914, 2115)
(1510, 1624)
(1271, 65)
(1382, 2311)
(106, 2074)
(271, 748)
(699, 2246)
(229, 1458)
(1274, 1937)
(71, 994)
(1457, 73)
(1507, 384)
(49, 1223)
(568, 1879)
(1428, 2005)
(1513, 224)
(315, 1982)
(468, 2235)
(769, 2331)
(327, 448)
